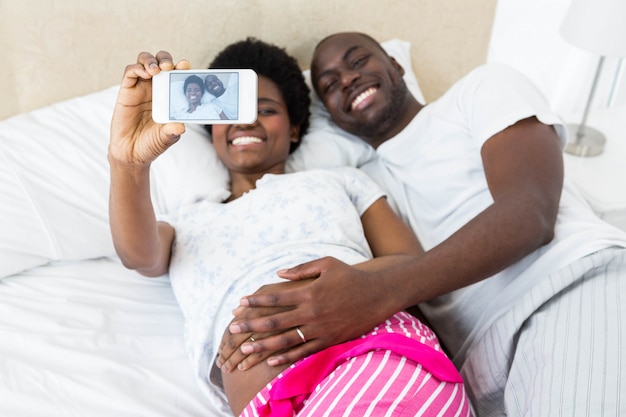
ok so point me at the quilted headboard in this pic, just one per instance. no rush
(55, 50)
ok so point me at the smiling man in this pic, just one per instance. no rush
(226, 98)
(380, 107)
(521, 281)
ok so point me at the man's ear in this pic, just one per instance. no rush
(397, 65)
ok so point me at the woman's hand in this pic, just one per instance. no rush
(235, 349)
(135, 138)
(230, 353)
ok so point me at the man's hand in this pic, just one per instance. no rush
(340, 304)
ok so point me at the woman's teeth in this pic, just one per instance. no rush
(244, 140)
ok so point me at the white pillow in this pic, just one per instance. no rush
(54, 181)
(54, 174)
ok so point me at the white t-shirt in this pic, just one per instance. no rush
(433, 172)
(203, 111)
(225, 251)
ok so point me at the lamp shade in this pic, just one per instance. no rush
(598, 26)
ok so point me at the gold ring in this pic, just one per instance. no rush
(301, 334)
(251, 338)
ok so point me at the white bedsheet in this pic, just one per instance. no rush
(91, 339)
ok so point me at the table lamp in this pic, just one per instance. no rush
(598, 26)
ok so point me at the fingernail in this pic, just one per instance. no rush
(234, 328)
(244, 302)
(272, 362)
(154, 65)
(247, 348)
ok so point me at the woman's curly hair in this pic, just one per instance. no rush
(276, 64)
(193, 79)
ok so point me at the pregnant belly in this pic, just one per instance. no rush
(241, 386)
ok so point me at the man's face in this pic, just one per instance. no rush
(214, 85)
(360, 85)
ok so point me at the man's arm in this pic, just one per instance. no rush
(524, 170)
(390, 241)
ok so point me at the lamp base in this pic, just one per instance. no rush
(589, 143)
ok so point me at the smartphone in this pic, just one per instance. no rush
(209, 96)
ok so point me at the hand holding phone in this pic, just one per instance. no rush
(205, 96)
(135, 138)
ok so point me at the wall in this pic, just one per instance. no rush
(526, 35)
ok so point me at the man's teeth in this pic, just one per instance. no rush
(245, 140)
(365, 94)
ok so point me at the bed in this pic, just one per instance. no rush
(79, 334)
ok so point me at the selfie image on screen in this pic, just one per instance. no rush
(202, 96)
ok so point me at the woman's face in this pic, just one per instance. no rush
(194, 93)
(262, 146)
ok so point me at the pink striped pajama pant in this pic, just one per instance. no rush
(398, 369)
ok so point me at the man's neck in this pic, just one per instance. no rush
(412, 108)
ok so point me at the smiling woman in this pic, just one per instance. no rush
(194, 90)
(216, 252)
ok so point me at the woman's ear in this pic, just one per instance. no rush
(295, 133)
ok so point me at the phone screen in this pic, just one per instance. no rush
(198, 96)
(205, 96)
